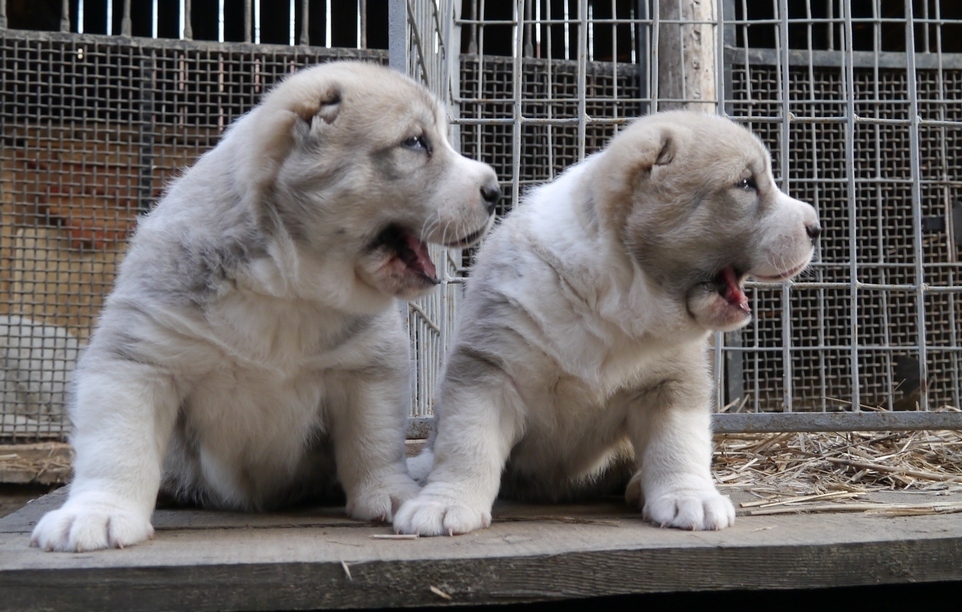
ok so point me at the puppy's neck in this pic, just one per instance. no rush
(585, 246)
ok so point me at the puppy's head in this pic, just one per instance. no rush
(692, 198)
(357, 168)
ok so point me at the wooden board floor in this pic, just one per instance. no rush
(315, 558)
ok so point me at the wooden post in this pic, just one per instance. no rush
(686, 55)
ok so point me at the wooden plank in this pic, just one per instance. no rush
(315, 558)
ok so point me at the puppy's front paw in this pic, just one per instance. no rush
(431, 515)
(380, 501)
(690, 509)
(84, 526)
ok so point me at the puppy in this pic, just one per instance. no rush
(251, 353)
(580, 355)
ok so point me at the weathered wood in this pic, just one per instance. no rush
(686, 55)
(316, 558)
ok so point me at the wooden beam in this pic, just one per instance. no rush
(315, 558)
(686, 55)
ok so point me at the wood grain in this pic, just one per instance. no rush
(316, 558)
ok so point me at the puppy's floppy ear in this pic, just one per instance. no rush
(285, 118)
(630, 160)
(667, 152)
(330, 108)
(326, 107)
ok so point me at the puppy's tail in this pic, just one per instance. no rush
(419, 467)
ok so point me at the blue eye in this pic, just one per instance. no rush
(746, 184)
(415, 142)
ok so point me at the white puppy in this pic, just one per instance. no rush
(252, 353)
(580, 356)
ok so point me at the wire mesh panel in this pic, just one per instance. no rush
(93, 127)
(420, 39)
(867, 133)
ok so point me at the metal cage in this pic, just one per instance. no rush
(859, 103)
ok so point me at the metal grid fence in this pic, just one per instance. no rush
(92, 126)
(869, 134)
(91, 129)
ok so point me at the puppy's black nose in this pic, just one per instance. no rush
(813, 231)
(491, 194)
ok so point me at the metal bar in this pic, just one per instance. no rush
(305, 39)
(397, 45)
(187, 30)
(848, 86)
(655, 41)
(247, 21)
(420, 428)
(552, 162)
(955, 358)
(835, 421)
(761, 348)
(880, 229)
(125, 24)
(147, 130)
(257, 22)
(419, 47)
(722, 72)
(783, 159)
(916, 172)
(65, 16)
(516, 109)
(473, 30)
(830, 59)
(582, 76)
(362, 24)
(170, 44)
(643, 54)
(528, 38)
(3, 14)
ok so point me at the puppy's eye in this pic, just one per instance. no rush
(417, 143)
(747, 184)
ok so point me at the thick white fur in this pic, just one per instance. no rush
(252, 342)
(581, 343)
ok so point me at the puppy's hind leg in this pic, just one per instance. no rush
(123, 417)
(671, 433)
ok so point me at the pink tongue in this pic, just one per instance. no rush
(420, 250)
(733, 293)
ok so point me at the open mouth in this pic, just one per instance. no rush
(729, 286)
(728, 283)
(410, 250)
(405, 253)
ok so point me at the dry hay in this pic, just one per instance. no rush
(38, 463)
(833, 471)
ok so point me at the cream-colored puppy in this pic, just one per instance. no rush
(580, 355)
(252, 353)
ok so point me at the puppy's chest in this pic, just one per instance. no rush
(588, 381)
(283, 340)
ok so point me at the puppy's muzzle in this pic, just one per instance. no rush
(813, 231)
